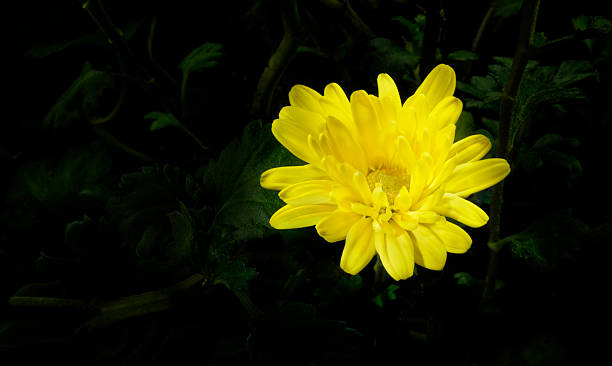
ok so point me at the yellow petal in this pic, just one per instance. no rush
(362, 188)
(446, 112)
(310, 192)
(281, 177)
(429, 251)
(292, 217)
(396, 253)
(471, 148)
(379, 197)
(401, 253)
(404, 156)
(344, 146)
(359, 248)
(406, 221)
(306, 98)
(366, 123)
(475, 176)
(461, 210)
(334, 93)
(419, 178)
(387, 88)
(334, 227)
(311, 122)
(440, 83)
(295, 138)
(403, 201)
(455, 239)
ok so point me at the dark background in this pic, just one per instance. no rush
(77, 208)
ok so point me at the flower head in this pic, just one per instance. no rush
(382, 175)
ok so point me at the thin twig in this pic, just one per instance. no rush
(529, 13)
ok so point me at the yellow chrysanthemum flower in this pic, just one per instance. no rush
(382, 175)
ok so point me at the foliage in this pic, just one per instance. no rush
(123, 246)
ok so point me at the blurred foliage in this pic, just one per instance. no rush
(126, 241)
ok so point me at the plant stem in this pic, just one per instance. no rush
(113, 141)
(431, 37)
(108, 312)
(280, 59)
(529, 12)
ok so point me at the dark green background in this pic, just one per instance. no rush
(81, 218)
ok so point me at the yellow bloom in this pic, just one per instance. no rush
(382, 175)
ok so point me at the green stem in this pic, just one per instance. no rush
(280, 59)
(113, 141)
(529, 12)
(431, 37)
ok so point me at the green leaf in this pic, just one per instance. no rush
(571, 71)
(463, 55)
(492, 125)
(84, 100)
(386, 295)
(581, 22)
(243, 207)
(205, 56)
(539, 39)
(506, 8)
(184, 232)
(465, 125)
(80, 175)
(551, 239)
(162, 120)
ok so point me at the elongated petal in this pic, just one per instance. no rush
(306, 98)
(440, 83)
(344, 146)
(310, 192)
(293, 136)
(455, 239)
(281, 177)
(311, 122)
(446, 112)
(462, 210)
(335, 227)
(471, 148)
(359, 248)
(387, 88)
(429, 251)
(475, 176)
(293, 217)
(366, 123)
(401, 253)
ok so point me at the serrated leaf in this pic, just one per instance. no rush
(580, 23)
(81, 174)
(571, 71)
(506, 8)
(552, 238)
(162, 120)
(243, 208)
(463, 55)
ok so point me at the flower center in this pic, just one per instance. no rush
(391, 181)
